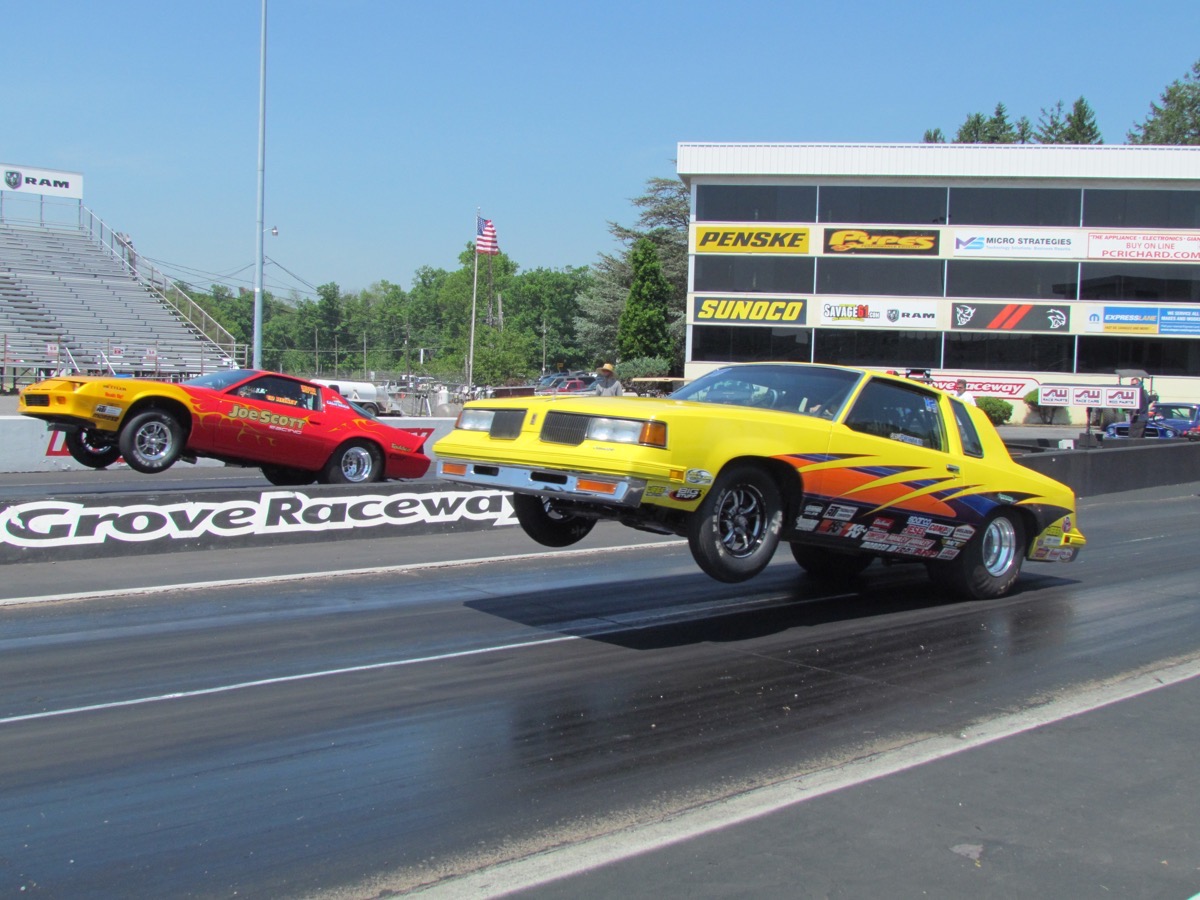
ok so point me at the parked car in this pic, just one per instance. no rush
(295, 431)
(1119, 431)
(1182, 417)
(583, 385)
(844, 465)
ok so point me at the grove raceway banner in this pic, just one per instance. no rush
(90, 527)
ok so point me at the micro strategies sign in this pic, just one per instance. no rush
(47, 182)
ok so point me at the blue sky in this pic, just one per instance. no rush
(390, 122)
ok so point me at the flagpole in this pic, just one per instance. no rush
(474, 295)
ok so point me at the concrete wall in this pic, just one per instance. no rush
(27, 446)
(105, 525)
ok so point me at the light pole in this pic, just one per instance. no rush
(256, 358)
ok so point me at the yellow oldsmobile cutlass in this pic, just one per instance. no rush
(843, 464)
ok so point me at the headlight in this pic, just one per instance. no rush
(476, 419)
(628, 431)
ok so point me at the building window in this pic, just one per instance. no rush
(883, 205)
(878, 348)
(1140, 281)
(1027, 280)
(1158, 356)
(1019, 352)
(755, 203)
(1015, 206)
(751, 274)
(880, 277)
(1141, 209)
(723, 343)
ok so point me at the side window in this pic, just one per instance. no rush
(898, 413)
(282, 391)
(972, 446)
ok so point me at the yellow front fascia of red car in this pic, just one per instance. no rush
(90, 401)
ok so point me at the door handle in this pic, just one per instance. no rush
(950, 467)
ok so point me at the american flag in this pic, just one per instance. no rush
(485, 237)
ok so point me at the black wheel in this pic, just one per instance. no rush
(94, 449)
(357, 462)
(548, 524)
(990, 563)
(734, 533)
(151, 441)
(284, 476)
(820, 562)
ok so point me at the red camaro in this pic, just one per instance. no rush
(296, 431)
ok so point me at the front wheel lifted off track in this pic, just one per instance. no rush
(990, 563)
(94, 449)
(734, 533)
(548, 524)
(151, 441)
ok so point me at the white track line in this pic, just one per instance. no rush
(563, 862)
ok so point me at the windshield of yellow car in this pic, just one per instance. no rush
(807, 390)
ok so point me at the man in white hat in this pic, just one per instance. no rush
(606, 383)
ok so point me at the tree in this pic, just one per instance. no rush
(1176, 119)
(1081, 125)
(934, 136)
(643, 326)
(973, 131)
(664, 223)
(1051, 126)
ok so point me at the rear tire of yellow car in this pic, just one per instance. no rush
(96, 450)
(151, 441)
(735, 531)
(989, 564)
(356, 462)
(548, 524)
(829, 565)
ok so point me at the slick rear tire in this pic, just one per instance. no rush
(548, 524)
(358, 462)
(151, 441)
(735, 531)
(989, 564)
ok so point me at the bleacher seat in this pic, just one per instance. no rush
(66, 301)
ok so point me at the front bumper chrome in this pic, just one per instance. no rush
(610, 490)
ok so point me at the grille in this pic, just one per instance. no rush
(506, 423)
(37, 399)
(565, 428)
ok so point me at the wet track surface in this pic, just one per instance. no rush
(359, 733)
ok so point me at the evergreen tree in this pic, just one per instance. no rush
(973, 131)
(643, 327)
(1176, 118)
(934, 136)
(998, 129)
(1051, 126)
(1080, 125)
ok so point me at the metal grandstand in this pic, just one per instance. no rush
(74, 296)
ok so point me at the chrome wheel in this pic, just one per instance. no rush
(741, 520)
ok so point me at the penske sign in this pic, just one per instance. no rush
(750, 239)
